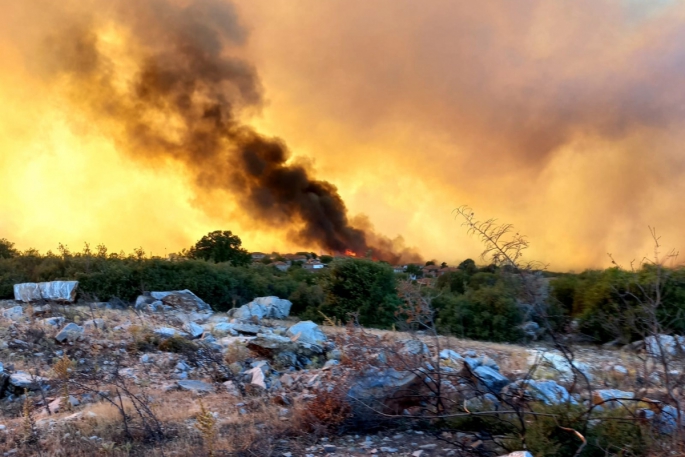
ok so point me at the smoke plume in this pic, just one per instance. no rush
(170, 83)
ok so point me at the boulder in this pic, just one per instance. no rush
(168, 332)
(69, 332)
(193, 329)
(21, 380)
(14, 313)
(557, 366)
(671, 345)
(257, 377)
(52, 321)
(492, 379)
(182, 300)
(195, 386)
(264, 308)
(92, 325)
(449, 354)
(64, 291)
(224, 328)
(414, 347)
(388, 390)
(250, 329)
(612, 398)
(548, 392)
(307, 332)
(667, 420)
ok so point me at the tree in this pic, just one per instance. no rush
(413, 269)
(469, 266)
(221, 246)
(7, 250)
(364, 287)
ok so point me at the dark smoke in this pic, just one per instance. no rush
(184, 102)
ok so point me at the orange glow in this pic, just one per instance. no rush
(349, 253)
(563, 119)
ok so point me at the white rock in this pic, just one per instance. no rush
(561, 367)
(92, 325)
(492, 379)
(193, 329)
(224, 328)
(52, 321)
(22, 380)
(168, 332)
(182, 299)
(69, 332)
(195, 386)
(264, 307)
(14, 314)
(671, 345)
(54, 290)
(257, 377)
(306, 332)
(447, 354)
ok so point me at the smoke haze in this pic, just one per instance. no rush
(141, 124)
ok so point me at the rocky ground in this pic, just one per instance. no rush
(269, 385)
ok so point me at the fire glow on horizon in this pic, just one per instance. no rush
(564, 119)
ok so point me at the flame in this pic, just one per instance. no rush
(350, 253)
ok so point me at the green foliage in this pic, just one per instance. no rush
(221, 246)
(613, 433)
(468, 266)
(486, 313)
(454, 281)
(358, 285)
(326, 259)
(413, 269)
(7, 250)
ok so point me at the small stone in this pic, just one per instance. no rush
(69, 332)
(428, 447)
(329, 448)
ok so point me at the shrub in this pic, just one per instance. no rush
(363, 287)
(488, 313)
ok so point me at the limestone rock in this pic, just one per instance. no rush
(307, 332)
(92, 325)
(387, 389)
(671, 345)
(224, 328)
(195, 386)
(13, 314)
(21, 380)
(69, 332)
(55, 290)
(193, 329)
(548, 392)
(492, 379)
(52, 321)
(264, 308)
(168, 332)
(181, 300)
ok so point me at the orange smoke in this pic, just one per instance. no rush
(562, 118)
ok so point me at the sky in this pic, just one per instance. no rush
(562, 118)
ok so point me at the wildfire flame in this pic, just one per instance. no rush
(350, 253)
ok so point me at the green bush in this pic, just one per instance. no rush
(487, 313)
(356, 285)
